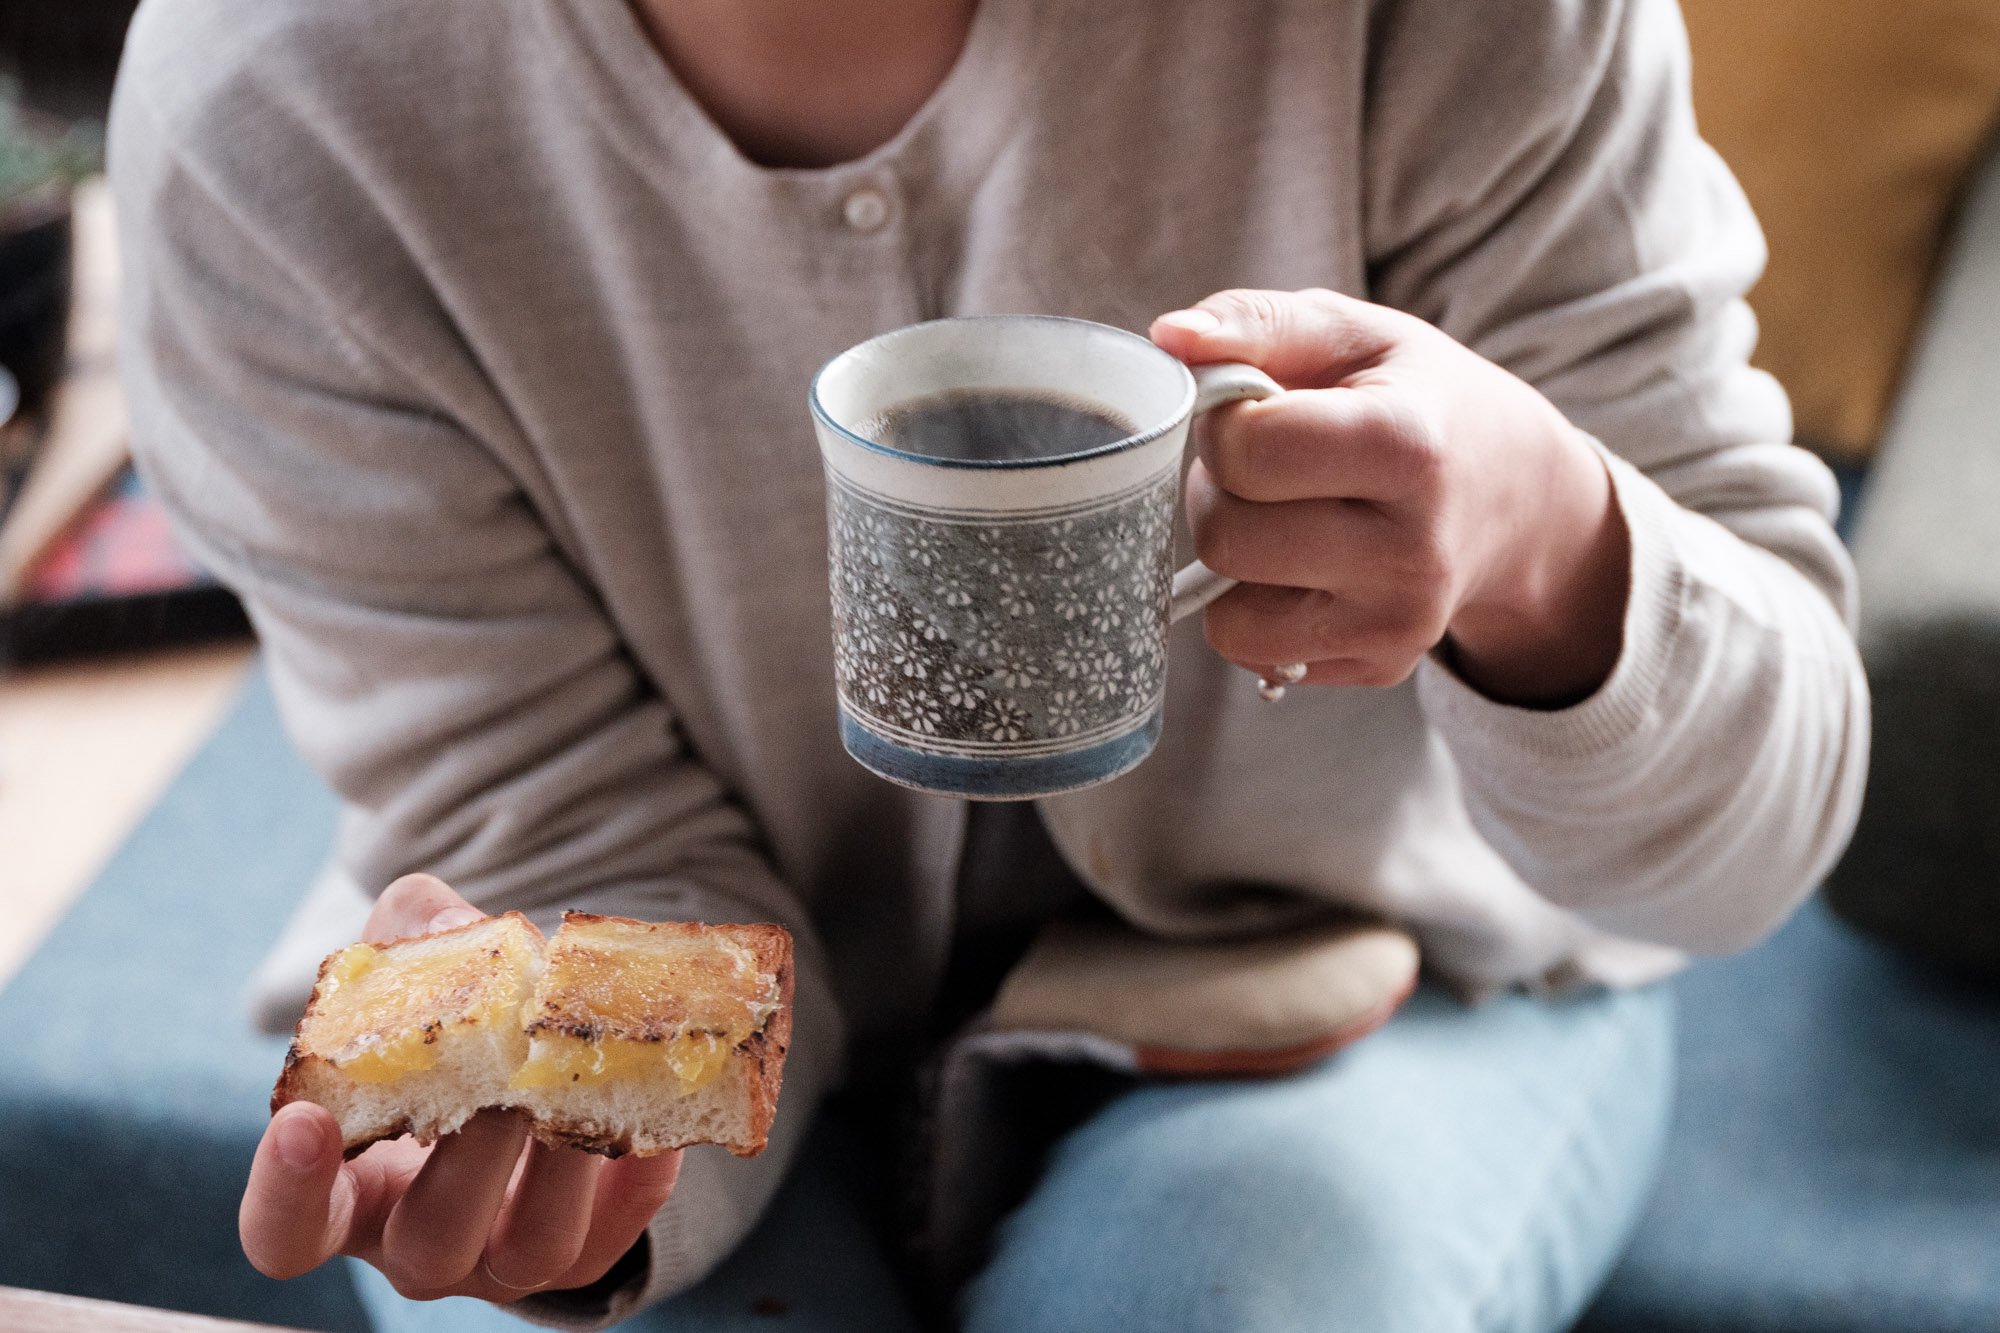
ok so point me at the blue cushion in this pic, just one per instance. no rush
(1835, 1165)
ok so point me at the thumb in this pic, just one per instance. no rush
(417, 905)
(1305, 340)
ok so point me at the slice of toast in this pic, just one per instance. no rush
(644, 1038)
(617, 1036)
(413, 1037)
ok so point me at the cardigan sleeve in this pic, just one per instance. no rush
(1537, 188)
(436, 658)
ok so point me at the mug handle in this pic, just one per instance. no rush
(1223, 382)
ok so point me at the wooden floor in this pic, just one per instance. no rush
(84, 751)
(44, 1312)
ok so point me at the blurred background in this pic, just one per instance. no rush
(1838, 1165)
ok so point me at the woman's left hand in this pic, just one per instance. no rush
(1409, 491)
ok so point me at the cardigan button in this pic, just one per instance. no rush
(865, 210)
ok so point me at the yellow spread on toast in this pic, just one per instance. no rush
(378, 1023)
(349, 966)
(696, 1059)
(615, 1002)
(390, 1060)
(609, 1005)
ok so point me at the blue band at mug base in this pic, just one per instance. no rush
(999, 779)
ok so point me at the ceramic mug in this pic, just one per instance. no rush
(1000, 623)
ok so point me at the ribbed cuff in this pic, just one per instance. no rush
(1484, 732)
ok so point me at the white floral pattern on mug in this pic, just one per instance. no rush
(993, 635)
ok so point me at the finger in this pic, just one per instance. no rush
(541, 1230)
(291, 1219)
(439, 1228)
(417, 905)
(1365, 443)
(1344, 642)
(1337, 545)
(379, 1177)
(629, 1191)
(1304, 340)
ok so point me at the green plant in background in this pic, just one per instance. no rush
(36, 153)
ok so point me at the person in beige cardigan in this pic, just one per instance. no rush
(473, 354)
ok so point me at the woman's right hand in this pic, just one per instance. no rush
(485, 1212)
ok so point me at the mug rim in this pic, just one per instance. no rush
(1133, 441)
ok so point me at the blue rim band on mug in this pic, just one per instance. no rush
(1003, 779)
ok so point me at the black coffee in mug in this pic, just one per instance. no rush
(990, 425)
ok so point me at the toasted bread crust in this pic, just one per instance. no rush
(773, 947)
(292, 1078)
(763, 1052)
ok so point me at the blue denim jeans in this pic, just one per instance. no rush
(1461, 1169)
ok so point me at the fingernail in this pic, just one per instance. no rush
(1194, 321)
(299, 1142)
(452, 917)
